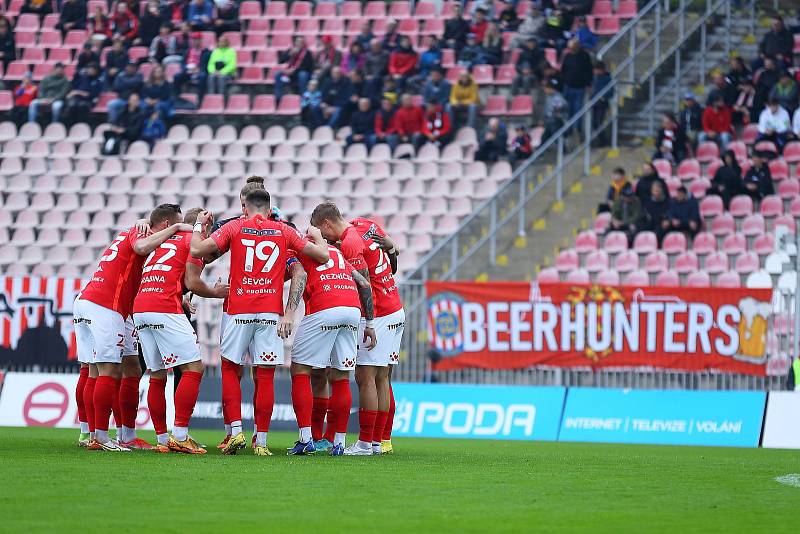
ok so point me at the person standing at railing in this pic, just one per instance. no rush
(576, 73)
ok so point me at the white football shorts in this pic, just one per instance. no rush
(168, 339)
(256, 333)
(130, 344)
(389, 330)
(99, 333)
(328, 339)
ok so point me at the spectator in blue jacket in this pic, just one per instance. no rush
(437, 89)
(430, 59)
(600, 81)
(200, 15)
(311, 104)
(684, 214)
(126, 83)
(157, 93)
(336, 91)
(86, 88)
(585, 36)
(362, 124)
(153, 129)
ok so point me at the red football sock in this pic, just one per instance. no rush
(116, 410)
(366, 420)
(186, 397)
(387, 430)
(157, 404)
(231, 390)
(84, 375)
(340, 404)
(380, 422)
(104, 393)
(318, 412)
(303, 401)
(329, 428)
(256, 408)
(129, 400)
(88, 401)
(266, 396)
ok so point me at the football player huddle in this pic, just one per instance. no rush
(141, 292)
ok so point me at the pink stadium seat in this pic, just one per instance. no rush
(698, 279)
(794, 207)
(637, 278)
(566, 260)
(766, 146)
(505, 75)
(712, 168)
(615, 242)
(483, 74)
(399, 9)
(333, 27)
(645, 242)
(663, 168)
(753, 225)
(741, 206)
(496, 105)
(289, 105)
(586, 241)
(771, 206)
(275, 9)
(238, 105)
(788, 189)
(610, 278)
(689, 169)
(687, 262)
(697, 188)
(602, 8)
(432, 27)
(674, 243)
(787, 221)
(764, 244)
(747, 263)
(656, 261)
(791, 152)
(668, 279)
(596, 261)
(750, 134)
(723, 225)
(351, 9)
(547, 276)
(716, 262)
(707, 152)
(249, 9)
(606, 26)
(300, 10)
(729, 280)
(779, 169)
(627, 9)
(521, 105)
(711, 206)
(6, 101)
(734, 244)
(27, 22)
(602, 220)
(212, 105)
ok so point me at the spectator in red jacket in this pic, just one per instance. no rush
(479, 24)
(24, 94)
(402, 62)
(436, 126)
(408, 120)
(520, 147)
(125, 23)
(385, 125)
(717, 123)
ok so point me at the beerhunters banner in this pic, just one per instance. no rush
(508, 325)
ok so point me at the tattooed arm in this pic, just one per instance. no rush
(296, 289)
(390, 248)
(365, 296)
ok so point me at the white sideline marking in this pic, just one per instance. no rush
(792, 479)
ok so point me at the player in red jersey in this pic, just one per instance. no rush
(259, 248)
(166, 336)
(100, 314)
(334, 297)
(372, 367)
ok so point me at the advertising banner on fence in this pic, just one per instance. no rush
(485, 412)
(36, 319)
(782, 422)
(507, 325)
(664, 417)
(48, 399)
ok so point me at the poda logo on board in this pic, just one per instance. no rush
(46, 405)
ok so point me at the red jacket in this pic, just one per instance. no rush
(408, 121)
(479, 30)
(126, 25)
(24, 95)
(436, 124)
(402, 62)
(717, 121)
(381, 129)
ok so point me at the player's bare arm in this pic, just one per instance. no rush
(386, 243)
(317, 250)
(196, 285)
(297, 286)
(201, 247)
(367, 305)
(146, 245)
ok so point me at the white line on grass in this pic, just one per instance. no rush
(792, 479)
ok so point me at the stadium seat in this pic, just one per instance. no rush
(716, 262)
(753, 225)
(704, 243)
(747, 263)
(645, 242)
(674, 243)
(521, 105)
(779, 169)
(637, 278)
(586, 241)
(596, 261)
(578, 276)
(723, 225)
(668, 279)
(686, 262)
(656, 261)
(689, 169)
(741, 206)
(728, 280)
(496, 105)
(627, 261)
(734, 244)
(764, 244)
(788, 189)
(289, 105)
(698, 279)
(615, 242)
(707, 151)
(547, 276)
(771, 206)
(791, 152)
(566, 260)
(711, 206)
(608, 278)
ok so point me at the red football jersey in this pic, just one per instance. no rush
(259, 250)
(364, 253)
(116, 280)
(329, 284)
(161, 289)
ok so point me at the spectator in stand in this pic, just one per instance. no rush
(24, 94)
(555, 108)
(480, 23)
(470, 53)
(125, 23)
(365, 35)
(355, 58)
(99, 26)
(402, 62)
(183, 39)
(656, 209)
(362, 124)
(227, 18)
(530, 28)
(126, 129)
(619, 182)
(154, 129)
(311, 105)
(37, 7)
(327, 57)
(164, 47)
(464, 96)
(552, 32)
(723, 87)
(691, 121)
(200, 15)
(528, 67)
(429, 60)
(116, 60)
(88, 54)
(151, 24)
(437, 89)
(157, 93)
(391, 38)
(299, 65)
(717, 124)
(585, 35)
(390, 90)
(127, 82)
(601, 80)
(576, 73)
(177, 11)
(385, 131)
(671, 140)
(408, 120)
(683, 214)
(8, 47)
(773, 124)
(493, 141)
(763, 80)
(221, 67)
(796, 124)
(645, 180)
(492, 46)
(520, 147)
(359, 88)
(758, 179)
(52, 91)
(86, 88)
(626, 214)
(377, 65)
(436, 127)
(777, 43)
(73, 16)
(727, 181)
(487, 6)
(508, 20)
(336, 92)
(456, 30)
(785, 92)
(194, 67)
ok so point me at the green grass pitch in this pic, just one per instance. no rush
(48, 484)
